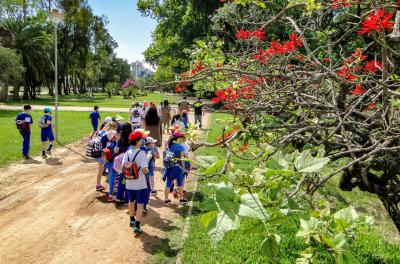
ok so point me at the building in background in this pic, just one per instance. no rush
(138, 70)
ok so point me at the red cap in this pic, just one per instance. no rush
(178, 134)
(136, 135)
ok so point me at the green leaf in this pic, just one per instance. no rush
(306, 256)
(345, 217)
(306, 163)
(270, 246)
(257, 227)
(206, 161)
(220, 225)
(206, 218)
(277, 218)
(339, 241)
(277, 162)
(346, 257)
(209, 205)
(251, 206)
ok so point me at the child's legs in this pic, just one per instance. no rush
(152, 183)
(100, 171)
(168, 185)
(44, 145)
(111, 181)
(180, 181)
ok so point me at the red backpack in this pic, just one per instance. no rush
(107, 154)
(131, 172)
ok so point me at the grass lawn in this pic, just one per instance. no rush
(242, 247)
(73, 127)
(99, 99)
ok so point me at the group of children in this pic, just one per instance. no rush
(127, 154)
(24, 121)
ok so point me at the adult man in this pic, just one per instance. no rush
(24, 122)
(198, 111)
(135, 116)
(183, 105)
(45, 123)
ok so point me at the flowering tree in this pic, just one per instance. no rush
(312, 88)
(129, 88)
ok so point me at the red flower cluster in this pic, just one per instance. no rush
(197, 67)
(377, 21)
(372, 66)
(371, 106)
(246, 91)
(339, 3)
(358, 89)
(277, 48)
(357, 55)
(346, 73)
(247, 34)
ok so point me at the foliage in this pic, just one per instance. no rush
(129, 88)
(10, 66)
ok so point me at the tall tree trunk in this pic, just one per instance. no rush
(66, 86)
(4, 91)
(391, 205)
(16, 89)
(51, 89)
(26, 90)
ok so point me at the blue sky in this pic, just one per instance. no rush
(126, 26)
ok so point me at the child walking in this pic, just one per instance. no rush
(45, 123)
(135, 161)
(24, 121)
(95, 118)
(152, 154)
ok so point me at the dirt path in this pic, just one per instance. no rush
(51, 213)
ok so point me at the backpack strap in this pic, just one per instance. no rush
(133, 160)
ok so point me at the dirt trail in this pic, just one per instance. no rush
(51, 213)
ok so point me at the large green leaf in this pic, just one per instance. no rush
(277, 162)
(251, 206)
(346, 257)
(224, 222)
(306, 163)
(346, 217)
(270, 246)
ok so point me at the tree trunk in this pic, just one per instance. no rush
(4, 91)
(51, 90)
(16, 90)
(391, 205)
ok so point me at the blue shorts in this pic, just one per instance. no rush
(95, 126)
(174, 173)
(140, 196)
(47, 136)
(100, 160)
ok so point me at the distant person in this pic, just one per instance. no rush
(185, 119)
(45, 123)
(198, 111)
(95, 118)
(183, 105)
(166, 115)
(146, 107)
(24, 122)
(153, 124)
(177, 121)
(135, 116)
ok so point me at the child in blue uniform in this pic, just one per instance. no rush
(95, 117)
(45, 123)
(24, 122)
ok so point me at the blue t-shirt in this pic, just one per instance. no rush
(185, 121)
(46, 119)
(94, 116)
(177, 149)
(25, 119)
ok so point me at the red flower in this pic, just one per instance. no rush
(379, 21)
(215, 100)
(345, 73)
(339, 3)
(358, 89)
(277, 48)
(243, 34)
(259, 34)
(327, 60)
(358, 54)
(296, 39)
(372, 66)
(290, 46)
(371, 106)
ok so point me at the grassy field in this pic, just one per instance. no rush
(242, 247)
(73, 126)
(99, 99)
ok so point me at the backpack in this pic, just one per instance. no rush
(107, 154)
(168, 159)
(42, 122)
(94, 146)
(136, 113)
(131, 172)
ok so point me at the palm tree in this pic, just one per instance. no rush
(33, 43)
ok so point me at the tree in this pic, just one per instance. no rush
(309, 84)
(10, 67)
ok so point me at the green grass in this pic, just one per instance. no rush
(99, 99)
(73, 126)
(241, 247)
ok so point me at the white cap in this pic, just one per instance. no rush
(150, 140)
(108, 119)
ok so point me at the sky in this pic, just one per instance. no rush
(129, 29)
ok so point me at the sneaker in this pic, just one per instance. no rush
(137, 230)
(145, 211)
(132, 223)
(110, 199)
(48, 152)
(126, 203)
(27, 157)
(183, 201)
(153, 192)
(99, 187)
(167, 202)
(44, 156)
(117, 200)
